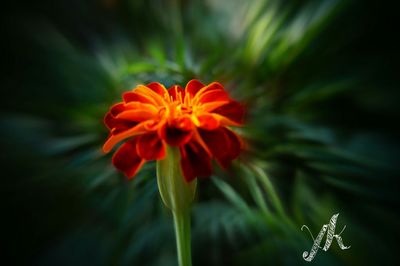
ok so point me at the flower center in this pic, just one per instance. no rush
(184, 109)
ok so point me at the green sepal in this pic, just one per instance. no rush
(176, 193)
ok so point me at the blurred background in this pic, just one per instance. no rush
(320, 79)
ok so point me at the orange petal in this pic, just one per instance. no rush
(193, 87)
(153, 124)
(210, 106)
(139, 105)
(131, 96)
(136, 115)
(183, 123)
(225, 122)
(115, 138)
(150, 147)
(117, 124)
(208, 121)
(136, 111)
(126, 159)
(195, 162)
(150, 93)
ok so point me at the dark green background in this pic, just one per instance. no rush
(319, 78)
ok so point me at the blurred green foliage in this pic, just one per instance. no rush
(320, 83)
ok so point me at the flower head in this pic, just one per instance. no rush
(194, 119)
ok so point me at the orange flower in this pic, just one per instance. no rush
(194, 119)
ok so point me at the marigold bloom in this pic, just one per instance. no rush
(195, 120)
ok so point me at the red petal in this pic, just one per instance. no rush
(195, 161)
(109, 120)
(174, 91)
(157, 87)
(178, 133)
(235, 147)
(116, 124)
(216, 141)
(150, 147)
(117, 108)
(210, 87)
(213, 96)
(193, 87)
(223, 144)
(126, 159)
(233, 111)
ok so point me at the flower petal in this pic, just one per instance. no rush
(213, 96)
(233, 112)
(178, 132)
(210, 106)
(136, 111)
(210, 87)
(208, 121)
(193, 87)
(216, 141)
(177, 93)
(118, 125)
(117, 108)
(150, 147)
(223, 144)
(114, 123)
(119, 136)
(195, 162)
(158, 88)
(109, 119)
(235, 147)
(126, 158)
(153, 124)
(131, 96)
(147, 92)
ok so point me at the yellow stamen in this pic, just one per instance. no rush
(195, 120)
(187, 99)
(179, 94)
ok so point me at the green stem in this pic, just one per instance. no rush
(178, 196)
(182, 234)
